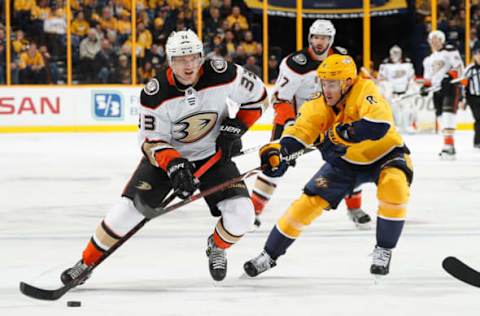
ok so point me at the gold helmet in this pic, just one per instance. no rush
(337, 67)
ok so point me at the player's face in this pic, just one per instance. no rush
(332, 91)
(186, 68)
(436, 44)
(319, 43)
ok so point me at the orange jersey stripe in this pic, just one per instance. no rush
(164, 157)
(249, 117)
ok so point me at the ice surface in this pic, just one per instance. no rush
(55, 189)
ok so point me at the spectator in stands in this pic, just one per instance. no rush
(144, 41)
(55, 27)
(19, 44)
(107, 21)
(213, 24)
(122, 71)
(237, 18)
(80, 26)
(156, 55)
(50, 67)
(272, 69)
(251, 47)
(158, 33)
(40, 13)
(124, 28)
(105, 62)
(89, 47)
(252, 66)
(32, 66)
(146, 73)
(239, 57)
(226, 9)
(2, 60)
(230, 43)
(22, 11)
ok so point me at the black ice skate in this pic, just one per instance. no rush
(380, 261)
(217, 260)
(259, 264)
(360, 218)
(448, 153)
(75, 272)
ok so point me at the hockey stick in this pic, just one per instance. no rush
(55, 294)
(153, 212)
(461, 271)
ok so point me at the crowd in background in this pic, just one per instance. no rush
(102, 37)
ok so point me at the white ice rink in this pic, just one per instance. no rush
(55, 189)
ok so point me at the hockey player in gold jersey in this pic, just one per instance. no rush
(359, 144)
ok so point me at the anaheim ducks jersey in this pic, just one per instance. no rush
(364, 102)
(439, 64)
(398, 74)
(178, 120)
(297, 81)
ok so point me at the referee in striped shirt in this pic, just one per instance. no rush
(472, 73)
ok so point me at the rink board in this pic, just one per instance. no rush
(115, 109)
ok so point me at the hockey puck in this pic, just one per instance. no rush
(74, 303)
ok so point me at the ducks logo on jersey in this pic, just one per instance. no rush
(194, 127)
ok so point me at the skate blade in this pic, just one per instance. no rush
(364, 226)
(245, 276)
(378, 279)
(448, 157)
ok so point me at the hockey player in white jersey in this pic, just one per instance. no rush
(297, 82)
(440, 68)
(183, 122)
(398, 73)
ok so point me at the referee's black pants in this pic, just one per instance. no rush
(474, 103)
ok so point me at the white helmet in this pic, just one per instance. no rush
(322, 27)
(183, 43)
(395, 53)
(439, 34)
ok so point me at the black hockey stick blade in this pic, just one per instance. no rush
(461, 271)
(44, 294)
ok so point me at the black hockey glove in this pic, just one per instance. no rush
(180, 172)
(424, 91)
(331, 147)
(271, 160)
(231, 130)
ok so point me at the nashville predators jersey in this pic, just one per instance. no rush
(297, 80)
(177, 120)
(363, 102)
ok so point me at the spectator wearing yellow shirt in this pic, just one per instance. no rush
(32, 66)
(80, 26)
(237, 18)
(250, 47)
(124, 28)
(19, 44)
(40, 14)
(144, 39)
(107, 21)
(146, 73)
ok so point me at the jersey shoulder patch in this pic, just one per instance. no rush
(339, 50)
(216, 72)
(152, 87)
(301, 62)
(407, 60)
(219, 65)
(157, 90)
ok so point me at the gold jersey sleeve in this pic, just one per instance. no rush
(364, 102)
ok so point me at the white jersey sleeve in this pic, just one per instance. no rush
(248, 90)
(287, 83)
